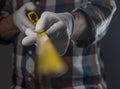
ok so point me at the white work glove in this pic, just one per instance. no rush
(20, 19)
(58, 26)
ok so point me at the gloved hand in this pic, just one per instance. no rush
(58, 26)
(20, 19)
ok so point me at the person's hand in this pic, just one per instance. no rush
(31, 37)
(20, 19)
(58, 26)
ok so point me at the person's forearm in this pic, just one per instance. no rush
(7, 28)
(92, 20)
(81, 26)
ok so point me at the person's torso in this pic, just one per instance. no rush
(84, 64)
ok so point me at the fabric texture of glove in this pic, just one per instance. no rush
(31, 37)
(20, 19)
(58, 26)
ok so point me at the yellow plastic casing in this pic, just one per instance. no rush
(32, 16)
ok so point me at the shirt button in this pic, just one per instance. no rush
(37, 2)
(30, 52)
(29, 79)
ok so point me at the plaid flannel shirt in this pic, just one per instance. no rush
(85, 66)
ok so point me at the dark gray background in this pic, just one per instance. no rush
(110, 51)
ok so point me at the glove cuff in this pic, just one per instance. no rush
(68, 19)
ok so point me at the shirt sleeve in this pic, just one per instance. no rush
(98, 14)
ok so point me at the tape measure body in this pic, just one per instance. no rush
(33, 16)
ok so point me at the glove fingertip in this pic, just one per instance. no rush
(24, 42)
(28, 31)
(29, 40)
